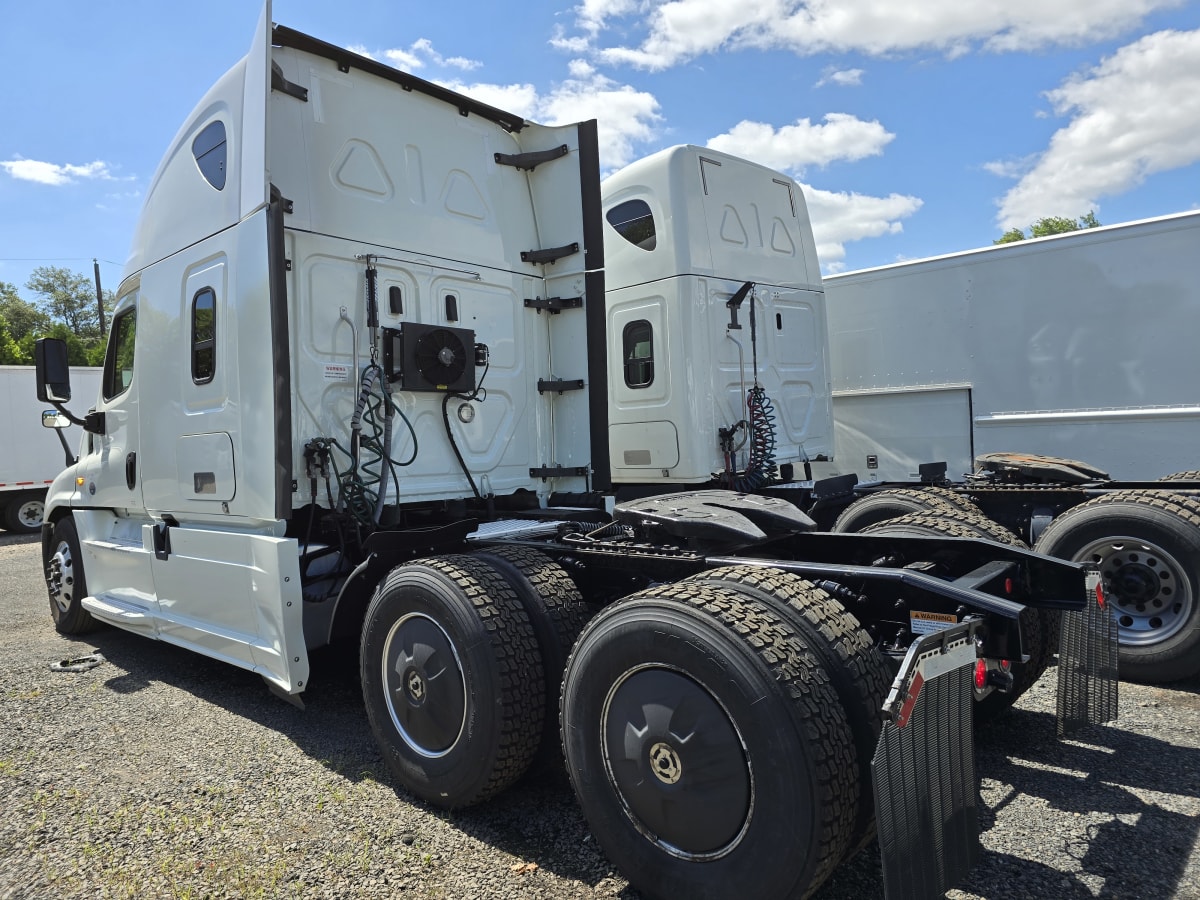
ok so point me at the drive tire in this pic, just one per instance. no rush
(1147, 547)
(857, 670)
(557, 611)
(452, 680)
(889, 504)
(65, 581)
(707, 748)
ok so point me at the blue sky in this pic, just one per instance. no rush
(917, 129)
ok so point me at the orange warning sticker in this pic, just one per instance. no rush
(929, 622)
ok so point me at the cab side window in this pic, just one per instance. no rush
(204, 336)
(637, 341)
(118, 358)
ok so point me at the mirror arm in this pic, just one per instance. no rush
(71, 417)
(71, 457)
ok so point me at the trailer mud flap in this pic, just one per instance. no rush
(1087, 664)
(926, 792)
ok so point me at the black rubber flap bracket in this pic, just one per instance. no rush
(533, 159)
(926, 791)
(1087, 663)
(550, 254)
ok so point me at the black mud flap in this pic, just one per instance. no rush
(1087, 664)
(926, 792)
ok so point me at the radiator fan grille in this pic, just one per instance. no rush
(441, 357)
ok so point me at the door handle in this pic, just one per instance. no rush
(131, 469)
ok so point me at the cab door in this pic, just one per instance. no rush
(109, 512)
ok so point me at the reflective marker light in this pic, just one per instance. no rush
(1100, 594)
(980, 673)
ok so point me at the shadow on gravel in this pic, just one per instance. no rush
(1100, 772)
(537, 820)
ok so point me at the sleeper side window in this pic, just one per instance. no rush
(637, 341)
(634, 221)
(204, 336)
(118, 358)
(209, 150)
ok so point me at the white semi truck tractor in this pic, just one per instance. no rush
(355, 394)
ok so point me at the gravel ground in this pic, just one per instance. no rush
(164, 774)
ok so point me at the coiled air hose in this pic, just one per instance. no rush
(362, 488)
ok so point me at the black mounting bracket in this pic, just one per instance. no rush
(545, 472)
(279, 83)
(530, 161)
(559, 385)
(549, 255)
(554, 304)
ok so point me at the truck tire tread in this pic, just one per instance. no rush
(794, 720)
(858, 671)
(504, 657)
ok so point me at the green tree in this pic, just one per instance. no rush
(22, 316)
(1048, 225)
(67, 297)
(10, 353)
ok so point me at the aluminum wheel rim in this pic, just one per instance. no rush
(60, 577)
(423, 685)
(1149, 589)
(650, 767)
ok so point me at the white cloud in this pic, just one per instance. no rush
(791, 148)
(626, 116)
(841, 77)
(839, 217)
(53, 173)
(678, 30)
(416, 55)
(1134, 114)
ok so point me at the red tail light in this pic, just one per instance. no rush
(980, 673)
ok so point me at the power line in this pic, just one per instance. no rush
(56, 259)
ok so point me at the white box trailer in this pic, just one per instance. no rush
(1013, 363)
(1079, 345)
(30, 455)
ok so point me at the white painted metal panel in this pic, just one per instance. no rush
(234, 596)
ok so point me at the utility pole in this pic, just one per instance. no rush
(99, 295)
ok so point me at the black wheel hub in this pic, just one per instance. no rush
(1135, 584)
(424, 687)
(677, 762)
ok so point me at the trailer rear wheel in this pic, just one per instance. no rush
(23, 513)
(63, 563)
(890, 504)
(1147, 547)
(1190, 475)
(452, 679)
(556, 610)
(706, 746)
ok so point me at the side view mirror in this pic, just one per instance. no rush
(53, 371)
(52, 418)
